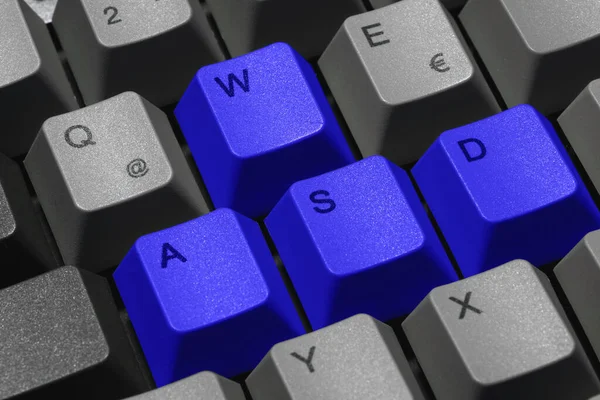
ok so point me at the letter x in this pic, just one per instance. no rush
(465, 305)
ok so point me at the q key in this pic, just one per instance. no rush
(117, 160)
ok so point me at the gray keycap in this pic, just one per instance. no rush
(61, 337)
(151, 47)
(450, 4)
(580, 123)
(43, 8)
(202, 386)
(357, 358)
(579, 276)
(402, 75)
(595, 397)
(499, 335)
(306, 25)
(107, 174)
(33, 84)
(539, 52)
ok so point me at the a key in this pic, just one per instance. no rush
(401, 75)
(579, 276)
(43, 8)
(205, 295)
(61, 335)
(580, 123)
(33, 84)
(538, 52)
(202, 386)
(504, 188)
(107, 174)
(499, 335)
(150, 47)
(358, 240)
(355, 359)
(258, 123)
(307, 25)
(24, 250)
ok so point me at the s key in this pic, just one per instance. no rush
(150, 47)
(107, 174)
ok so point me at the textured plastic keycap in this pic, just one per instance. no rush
(107, 174)
(504, 188)
(205, 295)
(62, 338)
(24, 250)
(501, 334)
(580, 123)
(150, 47)
(307, 25)
(201, 386)
(355, 359)
(579, 276)
(357, 240)
(258, 123)
(401, 75)
(33, 84)
(538, 52)
(43, 8)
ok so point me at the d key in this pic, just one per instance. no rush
(114, 161)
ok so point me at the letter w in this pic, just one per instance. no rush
(230, 89)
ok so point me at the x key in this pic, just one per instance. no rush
(465, 305)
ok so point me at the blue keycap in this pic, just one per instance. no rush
(358, 240)
(504, 188)
(258, 123)
(205, 295)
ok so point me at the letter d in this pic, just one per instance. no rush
(469, 156)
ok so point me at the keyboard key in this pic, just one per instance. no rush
(258, 123)
(307, 25)
(205, 295)
(358, 358)
(24, 250)
(579, 276)
(450, 4)
(357, 240)
(43, 8)
(538, 52)
(499, 335)
(202, 386)
(400, 82)
(33, 84)
(579, 123)
(150, 47)
(107, 174)
(504, 188)
(61, 335)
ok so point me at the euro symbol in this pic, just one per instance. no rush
(437, 63)
(83, 140)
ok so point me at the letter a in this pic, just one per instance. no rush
(168, 253)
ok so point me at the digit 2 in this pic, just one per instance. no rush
(113, 18)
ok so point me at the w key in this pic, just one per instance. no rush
(107, 174)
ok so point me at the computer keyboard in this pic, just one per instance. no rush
(289, 200)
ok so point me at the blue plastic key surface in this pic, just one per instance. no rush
(205, 295)
(258, 123)
(358, 240)
(504, 188)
